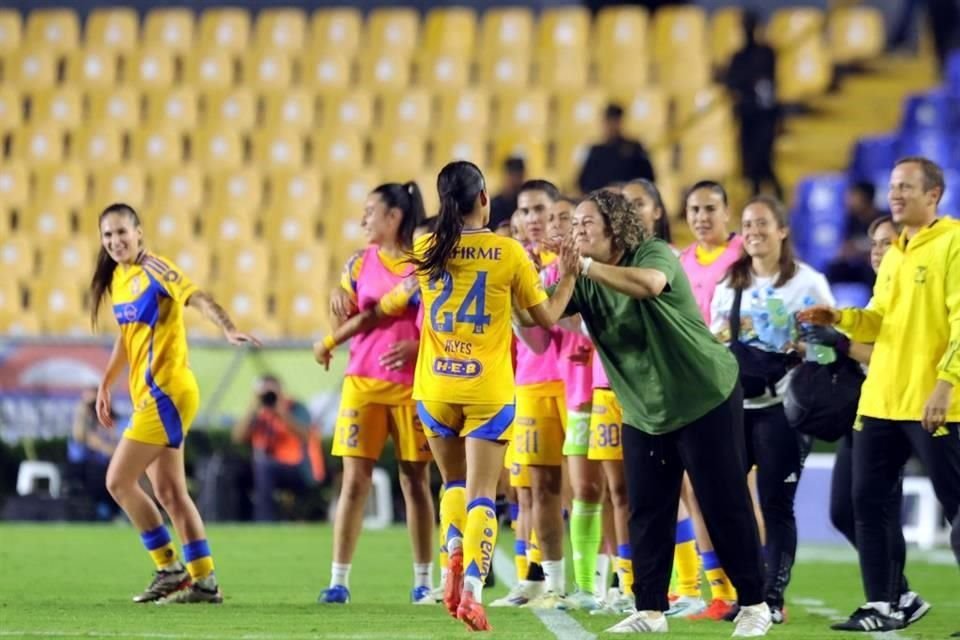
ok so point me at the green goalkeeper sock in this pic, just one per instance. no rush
(586, 532)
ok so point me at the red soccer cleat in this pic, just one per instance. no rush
(454, 587)
(471, 613)
(718, 610)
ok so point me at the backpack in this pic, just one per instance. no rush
(822, 399)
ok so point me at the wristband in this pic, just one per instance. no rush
(585, 264)
(329, 342)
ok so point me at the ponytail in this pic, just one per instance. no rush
(103, 272)
(407, 198)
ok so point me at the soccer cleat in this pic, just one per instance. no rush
(453, 589)
(437, 595)
(547, 600)
(718, 610)
(866, 618)
(640, 622)
(580, 600)
(753, 621)
(686, 606)
(620, 606)
(422, 595)
(520, 595)
(471, 613)
(164, 583)
(913, 607)
(778, 615)
(337, 594)
(194, 594)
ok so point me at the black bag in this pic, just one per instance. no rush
(759, 370)
(822, 399)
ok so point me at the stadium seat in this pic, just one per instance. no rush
(282, 29)
(950, 202)
(803, 71)
(427, 182)
(30, 69)
(62, 107)
(11, 109)
(385, 69)
(68, 262)
(246, 265)
(238, 190)
(11, 303)
(618, 30)
(38, 144)
(278, 148)
(443, 71)
(158, 147)
(326, 70)
(450, 145)
(679, 36)
(266, 70)
(11, 26)
(235, 108)
(525, 111)
(91, 68)
(856, 34)
(14, 185)
(567, 70)
(935, 145)
(505, 29)
(182, 185)
(951, 74)
(505, 70)
(175, 108)
(217, 147)
(392, 29)
(166, 223)
(935, 110)
(293, 189)
(46, 221)
(563, 29)
(817, 220)
(210, 69)
(399, 157)
(225, 29)
(569, 154)
(726, 35)
(97, 145)
(707, 158)
(118, 107)
(303, 266)
(149, 69)
(226, 228)
(793, 27)
(246, 304)
(645, 114)
(850, 294)
(873, 155)
(170, 29)
(338, 149)
(346, 194)
(707, 110)
(192, 257)
(113, 29)
(59, 308)
(469, 108)
(287, 226)
(407, 111)
(304, 313)
(125, 183)
(619, 73)
(336, 29)
(64, 185)
(579, 114)
(350, 109)
(293, 109)
(17, 261)
(449, 30)
(54, 30)
(524, 144)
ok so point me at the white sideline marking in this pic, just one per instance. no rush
(832, 554)
(207, 636)
(562, 626)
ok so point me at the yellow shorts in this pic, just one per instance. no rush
(605, 425)
(539, 429)
(164, 420)
(483, 421)
(519, 473)
(370, 412)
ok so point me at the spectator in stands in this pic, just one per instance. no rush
(751, 80)
(89, 451)
(943, 17)
(279, 429)
(617, 158)
(853, 262)
(504, 203)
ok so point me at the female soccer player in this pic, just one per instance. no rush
(148, 294)
(376, 401)
(773, 283)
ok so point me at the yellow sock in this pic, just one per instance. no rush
(199, 560)
(520, 559)
(533, 549)
(479, 540)
(625, 569)
(159, 546)
(720, 586)
(453, 514)
(686, 560)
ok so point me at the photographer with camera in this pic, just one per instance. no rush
(278, 428)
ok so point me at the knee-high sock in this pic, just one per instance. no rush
(686, 560)
(720, 586)
(160, 547)
(586, 532)
(453, 514)
(479, 540)
(625, 569)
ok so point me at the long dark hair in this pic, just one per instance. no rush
(661, 226)
(103, 273)
(458, 184)
(740, 273)
(409, 200)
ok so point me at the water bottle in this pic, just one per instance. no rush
(819, 353)
(779, 319)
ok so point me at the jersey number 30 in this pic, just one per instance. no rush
(471, 311)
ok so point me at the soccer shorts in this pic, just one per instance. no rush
(519, 473)
(577, 440)
(164, 419)
(538, 431)
(605, 425)
(370, 412)
(485, 421)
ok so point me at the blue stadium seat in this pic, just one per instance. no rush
(873, 155)
(950, 203)
(851, 294)
(935, 110)
(818, 220)
(952, 74)
(937, 145)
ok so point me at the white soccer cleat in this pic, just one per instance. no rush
(685, 606)
(520, 594)
(580, 600)
(641, 622)
(547, 600)
(753, 621)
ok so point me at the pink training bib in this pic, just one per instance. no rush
(600, 380)
(704, 278)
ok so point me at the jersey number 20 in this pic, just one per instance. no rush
(471, 311)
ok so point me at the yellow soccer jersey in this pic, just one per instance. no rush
(353, 267)
(465, 341)
(148, 299)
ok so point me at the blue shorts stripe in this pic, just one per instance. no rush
(155, 538)
(439, 429)
(494, 427)
(196, 550)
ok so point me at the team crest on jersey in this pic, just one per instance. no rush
(920, 276)
(130, 312)
(136, 285)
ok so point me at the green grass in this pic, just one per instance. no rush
(75, 581)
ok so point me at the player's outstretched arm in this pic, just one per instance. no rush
(204, 302)
(549, 312)
(635, 282)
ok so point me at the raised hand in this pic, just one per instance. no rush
(820, 314)
(341, 304)
(569, 263)
(399, 354)
(322, 354)
(239, 338)
(103, 407)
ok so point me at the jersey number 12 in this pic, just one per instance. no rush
(471, 311)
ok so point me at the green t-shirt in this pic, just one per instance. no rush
(664, 365)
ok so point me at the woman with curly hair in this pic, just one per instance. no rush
(682, 407)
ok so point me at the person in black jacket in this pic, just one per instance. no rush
(617, 159)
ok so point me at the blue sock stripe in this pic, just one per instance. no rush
(155, 538)
(520, 547)
(482, 502)
(685, 532)
(453, 532)
(514, 511)
(196, 550)
(710, 560)
(623, 551)
(473, 570)
(453, 484)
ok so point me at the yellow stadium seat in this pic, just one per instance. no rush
(569, 153)
(579, 113)
(11, 304)
(525, 111)
(14, 184)
(280, 29)
(620, 28)
(225, 29)
(679, 32)
(91, 68)
(450, 30)
(247, 306)
(293, 109)
(468, 108)
(294, 189)
(266, 70)
(428, 191)
(235, 108)
(707, 158)
(61, 106)
(726, 35)
(22, 325)
(122, 183)
(385, 69)
(113, 29)
(167, 224)
(304, 313)
(443, 71)
(10, 28)
(645, 114)
(239, 190)
(177, 187)
(55, 30)
(38, 144)
(620, 73)
(464, 144)
(46, 221)
(64, 185)
(88, 217)
(16, 260)
(409, 111)
(393, 29)
(226, 228)
(856, 34)
(193, 258)
(506, 29)
(119, 107)
(149, 69)
(804, 71)
(97, 145)
(11, 108)
(351, 109)
(175, 108)
(336, 29)
(170, 29)
(217, 148)
(59, 308)
(210, 69)
(279, 148)
(337, 149)
(792, 26)
(248, 265)
(342, 213)
(505, 70)
(563, 29)
(524, 144)
(29, 69)
(67, 260)
(158, 147)
(563, 71)
(707, 109)
(399, 157)
(325, 69)
(306, 266)
(288, 226)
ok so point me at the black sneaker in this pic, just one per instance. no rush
(164, 583)
(913, 607)
(869, 619)
(193, 595)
